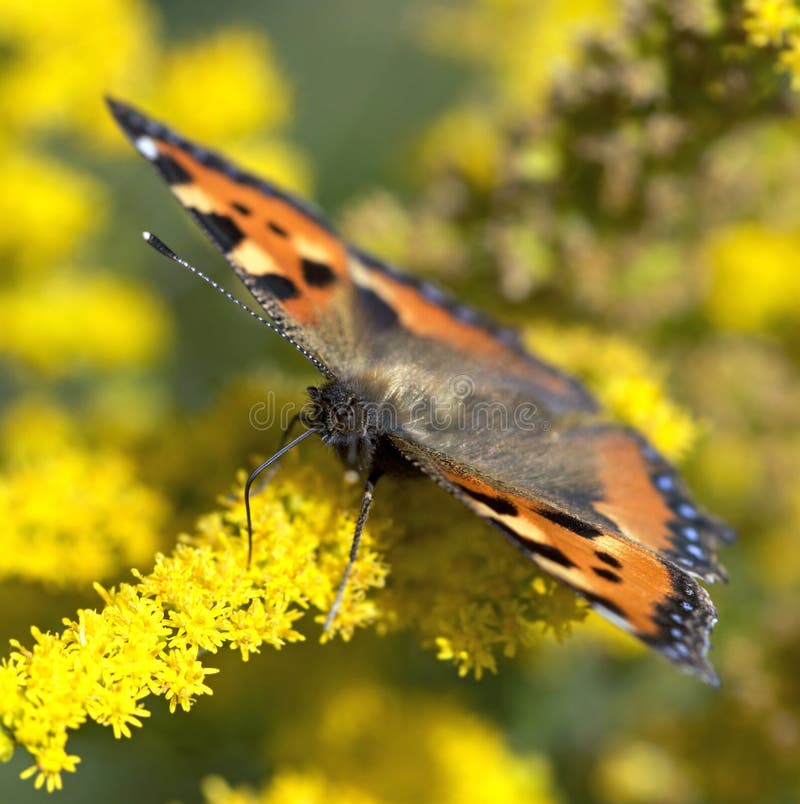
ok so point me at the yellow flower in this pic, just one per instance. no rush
(67, 322)
(35, 428)
(117, 707)
(90, 516)
(468, 140)
(286, 787)
(147, 639)
(768, 21)
(64, 56)
(45, 208)
(520, 42)
(776, 22)
(639, 772)
(225, 86)
(367, 736)
(790, 60)
(52, 761)
(278, 160)
(755, 277)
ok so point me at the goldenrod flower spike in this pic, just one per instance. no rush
(150, 637)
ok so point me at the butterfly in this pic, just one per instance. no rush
(415, 382)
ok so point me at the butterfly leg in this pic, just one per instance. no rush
(366, 502)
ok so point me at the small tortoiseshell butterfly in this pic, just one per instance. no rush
(591, 503)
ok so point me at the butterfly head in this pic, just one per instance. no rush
(346, 421)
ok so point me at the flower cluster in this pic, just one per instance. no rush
(150, 636)
(457, 757)
(88, 340)
(776, 24)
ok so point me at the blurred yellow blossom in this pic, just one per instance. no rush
(643, 773)
(72, 320)
(48, 223)
(522, 43)
(6, 747)
(284, 163)
(34, 427)
(223, 86)
(776, 23)
(628, 382)
(286, 787)
(74, 512)
(465, 139)
(368, 736)
(755, 277)
(790, 60)
(768, 21)
(61, 59)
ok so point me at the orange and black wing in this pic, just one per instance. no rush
(335, 302)
(619, 556)
(282, 249)
(645, 498)
(474, 342)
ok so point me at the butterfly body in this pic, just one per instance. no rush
(414, 381)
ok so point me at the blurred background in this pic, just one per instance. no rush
(619, 180)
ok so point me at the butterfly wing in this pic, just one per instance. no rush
(281, 248)
(333, 301)
(608, 477)
(423, 316)
(638, 589)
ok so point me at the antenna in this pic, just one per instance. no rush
(162, 248)
(254, 474)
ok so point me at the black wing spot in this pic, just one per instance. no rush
(497, 504)
(171, 171)
(536, 548)
(550, 553)
(606, 558)
(223, 231)
(275, 285)
(242, 208)
(607, 574)
(277, 228)
(380, 314)
(317, 274)
(599, 600)
(571, 523)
